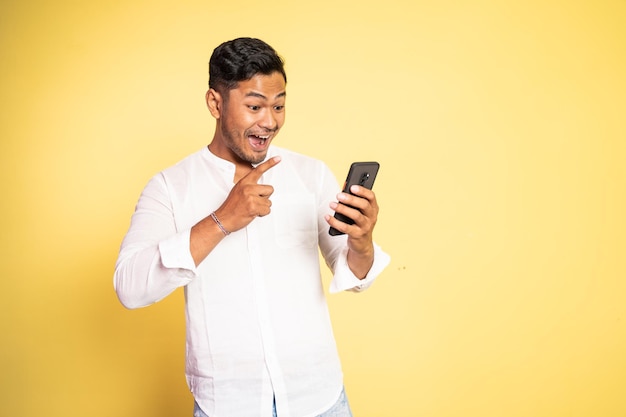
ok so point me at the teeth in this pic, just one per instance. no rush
(260, 139)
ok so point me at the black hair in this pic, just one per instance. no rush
(241, 59)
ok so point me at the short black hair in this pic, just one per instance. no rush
(241, 59)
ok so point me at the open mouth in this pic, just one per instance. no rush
(258, 142)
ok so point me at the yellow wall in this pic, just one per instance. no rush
(500, 130)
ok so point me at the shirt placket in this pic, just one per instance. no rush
(255, 244)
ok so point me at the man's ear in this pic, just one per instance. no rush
(214, 102)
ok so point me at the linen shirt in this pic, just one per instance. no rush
(258, 326)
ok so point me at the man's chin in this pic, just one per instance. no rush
(258, 159)
(254, 158)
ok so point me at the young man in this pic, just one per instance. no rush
(238, 224)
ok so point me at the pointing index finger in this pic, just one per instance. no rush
(260, 169)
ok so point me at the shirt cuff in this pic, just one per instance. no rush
(344, 279)
(176, 256)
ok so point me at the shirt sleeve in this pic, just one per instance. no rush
(154, 258)
(344, 279)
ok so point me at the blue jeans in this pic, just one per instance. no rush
(340, 409)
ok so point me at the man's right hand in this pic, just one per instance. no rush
(248, 199)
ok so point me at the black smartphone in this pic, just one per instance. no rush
(360, 173)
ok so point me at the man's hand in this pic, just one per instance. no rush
(248, 199)
(364, 212)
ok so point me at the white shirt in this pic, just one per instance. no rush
(257, 320)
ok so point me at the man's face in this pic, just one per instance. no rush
(249, 117)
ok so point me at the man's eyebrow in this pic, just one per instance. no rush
(261, 96)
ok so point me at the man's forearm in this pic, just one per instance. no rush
(361, 263)
(204, 237)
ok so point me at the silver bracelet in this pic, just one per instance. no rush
(214, 217)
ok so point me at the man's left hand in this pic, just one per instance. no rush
(360, 206)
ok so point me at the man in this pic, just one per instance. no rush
(238, 224)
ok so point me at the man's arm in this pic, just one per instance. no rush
(155, 258)
(245, 202)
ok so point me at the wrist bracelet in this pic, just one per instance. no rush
(214, 217)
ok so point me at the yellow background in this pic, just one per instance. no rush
(500, 131)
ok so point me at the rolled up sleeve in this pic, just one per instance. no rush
(345, 280)
(154, 257)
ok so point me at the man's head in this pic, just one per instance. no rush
(240, 60)
(247, 98)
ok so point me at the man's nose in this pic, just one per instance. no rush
(269, 121)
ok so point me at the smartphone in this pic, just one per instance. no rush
(360, 173)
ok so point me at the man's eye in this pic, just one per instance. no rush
(254, 108)
(279, 108)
